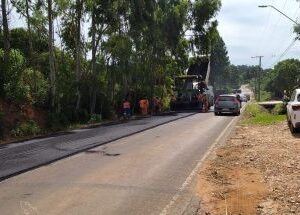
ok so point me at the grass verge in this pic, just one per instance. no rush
(256, 115)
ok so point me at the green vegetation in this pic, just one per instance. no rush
(95, 118)
(29, 128)
(256, 115)
(284, 77)
(279, 109)
(133, 49)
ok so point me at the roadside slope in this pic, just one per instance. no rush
(255, 172)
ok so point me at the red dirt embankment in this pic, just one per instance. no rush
(14, 114)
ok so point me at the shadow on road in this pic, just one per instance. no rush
(227, 114)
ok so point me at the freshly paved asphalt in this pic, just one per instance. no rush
(137, 174)
(21, 157)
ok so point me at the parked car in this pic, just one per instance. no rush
(227, 104)
(293, 111)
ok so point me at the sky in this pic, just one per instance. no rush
(249, 31)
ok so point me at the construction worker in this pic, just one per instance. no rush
(285, 98)
(202, 98)
(126, 108)
(205, 103)
(144, 104)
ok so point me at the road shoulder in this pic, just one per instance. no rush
(256, 171)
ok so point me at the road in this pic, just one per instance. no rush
(21, 157)
(137, 174)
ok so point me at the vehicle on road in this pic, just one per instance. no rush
(236, 91)
(189, 86)
(243, 98)
(227, 104)
(248, 96)
(293, 111)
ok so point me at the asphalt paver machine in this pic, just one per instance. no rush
(188, 86)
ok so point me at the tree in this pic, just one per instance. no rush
(6, 44)
(79, 7)
(203, 28)
(219, 63)
(24, 9)
(52, 73)
(285, 76)
(100, 12)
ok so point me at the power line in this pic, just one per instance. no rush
(279, 31)
(285, 52)
(264, 30)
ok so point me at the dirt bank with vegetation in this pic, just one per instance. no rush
(257, 170)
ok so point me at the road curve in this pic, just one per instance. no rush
(138, 174)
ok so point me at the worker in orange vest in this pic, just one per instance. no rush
(202, 98)
(144, 104)
(205, 103)
(126, 108)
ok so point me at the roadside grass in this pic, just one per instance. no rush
(256, 115)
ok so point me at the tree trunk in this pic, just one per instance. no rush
(29, 29)
(78, 51)
(94, 52)
(6, 44)
(5, 27)
(51, 56)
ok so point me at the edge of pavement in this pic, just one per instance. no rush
(185, 201)
(82, 127)
(88, 147)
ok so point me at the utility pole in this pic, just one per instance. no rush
(258, 78)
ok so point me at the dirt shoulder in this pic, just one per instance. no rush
(257, 171)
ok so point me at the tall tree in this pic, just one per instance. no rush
(6, 43)
(219, 63)
(23, 7)
(52, 73)
(202, 25)
(79, 8)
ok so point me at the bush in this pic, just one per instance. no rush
(265, 96)
(279, 109)
(95, 118)
(14, 89)
(257, 115)
(252, 110)
(37, 84)
(29, 128)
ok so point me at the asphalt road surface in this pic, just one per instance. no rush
(21, 157)
(137, 174)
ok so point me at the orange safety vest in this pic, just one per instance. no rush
(143, 103)
(126, 105)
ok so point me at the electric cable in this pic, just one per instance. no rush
(284, 53)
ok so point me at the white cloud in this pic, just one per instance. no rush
(249, 31)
